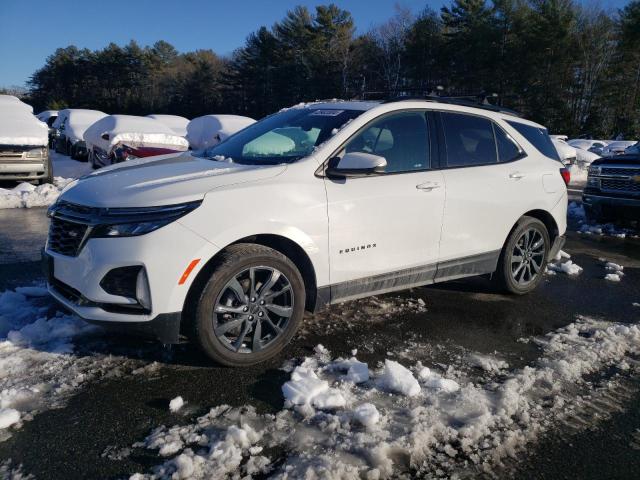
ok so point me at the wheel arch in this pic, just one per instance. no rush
(548, 220)
(284, 245)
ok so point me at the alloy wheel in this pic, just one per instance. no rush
(253, 309)
(527, 258)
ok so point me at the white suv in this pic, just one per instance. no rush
(311, 206)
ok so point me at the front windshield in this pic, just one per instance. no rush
(282, 138)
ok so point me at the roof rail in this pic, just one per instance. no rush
(476, 101)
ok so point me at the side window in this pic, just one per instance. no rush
(469, 140)
(402, 139)
(508, 149)
(538, 137)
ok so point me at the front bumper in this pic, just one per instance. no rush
(24, 169)
(75, 282)
(590, 200)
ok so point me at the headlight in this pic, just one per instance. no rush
(131, 222)
(35, 153)
(594, 170)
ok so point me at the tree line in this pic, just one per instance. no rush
(572, 67)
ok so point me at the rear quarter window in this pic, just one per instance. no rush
(538, 137)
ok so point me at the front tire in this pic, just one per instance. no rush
(524, 257)
(250, 307)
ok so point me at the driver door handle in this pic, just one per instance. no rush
(428, 186)
(516, 175)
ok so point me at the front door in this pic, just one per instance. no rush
(384, 229)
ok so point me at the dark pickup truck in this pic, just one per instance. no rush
(613, 189)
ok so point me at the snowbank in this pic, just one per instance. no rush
(209, 130)
(176, 404)
(19, 127)
(27, 195)
(457, 433)
(175, 122)
(134, 131)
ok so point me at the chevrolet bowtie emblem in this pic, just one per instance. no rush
(636, 179)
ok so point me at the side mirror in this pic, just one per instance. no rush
(105, 136)
(355, 164)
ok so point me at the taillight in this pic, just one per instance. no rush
(566, 175)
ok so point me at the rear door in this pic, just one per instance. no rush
(384, 229)
(490, 182)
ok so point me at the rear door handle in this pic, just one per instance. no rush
(516, 175)
(428, 186)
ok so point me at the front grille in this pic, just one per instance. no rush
(65, 237)
(619, 185)
(628, 172)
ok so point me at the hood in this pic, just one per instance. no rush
(618, 159)
(161, 180)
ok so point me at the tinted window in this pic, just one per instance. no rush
(538, 137)
(469, 140)
(282, 138)
(402, 139)
(508, 149)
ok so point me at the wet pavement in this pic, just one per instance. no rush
(467, 315)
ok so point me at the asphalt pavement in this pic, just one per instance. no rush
(70, 442)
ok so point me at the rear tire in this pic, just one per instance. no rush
(250, 307)
(524, 257)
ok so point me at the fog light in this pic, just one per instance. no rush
(143, 295)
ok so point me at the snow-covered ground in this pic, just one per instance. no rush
(345, 419)
(27, 195)
(39, 364)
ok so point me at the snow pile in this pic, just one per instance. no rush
(209, 130)
(487, 363)
(38, 367)
(567, 267)
(607, 229)
(176, 404)
(464, 432)
(133, 131)
(308, 391)
(576, 210)
(580, 171)
(614, 271)
(398, 379)
(27, 195)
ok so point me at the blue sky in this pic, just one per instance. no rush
(32, 29)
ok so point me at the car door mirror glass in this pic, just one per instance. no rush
(354, 164)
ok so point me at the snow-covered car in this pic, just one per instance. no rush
(566, 152)
(175, 122)
(12, 101)
(209, 130)
(587, 144)
(24, 152)
(70, 140)
(49, 117)
(616, 147)
(314, 205)
(559, 137)
(117, 138)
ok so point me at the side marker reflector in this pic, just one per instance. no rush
(188, 271)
